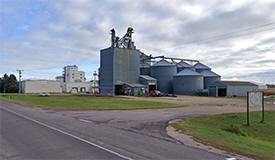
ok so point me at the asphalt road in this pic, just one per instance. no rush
(24, 139)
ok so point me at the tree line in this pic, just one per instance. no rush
(9, 84)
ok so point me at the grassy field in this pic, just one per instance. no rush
(75, 102)
(230, 132)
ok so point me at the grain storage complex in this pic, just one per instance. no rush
(125, 70)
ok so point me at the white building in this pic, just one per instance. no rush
(74, 81)
(39, 86)
(71, 74)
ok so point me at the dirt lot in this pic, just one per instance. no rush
(153, 122)
(207, 105)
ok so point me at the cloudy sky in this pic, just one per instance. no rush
(236, 38)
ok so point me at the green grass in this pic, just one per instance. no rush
(271, 99)
(85, 102)
(230, 132)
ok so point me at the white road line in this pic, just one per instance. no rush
(84, 120)
(66, 133)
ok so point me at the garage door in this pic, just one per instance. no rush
(212, 91)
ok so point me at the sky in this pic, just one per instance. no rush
(235, 38)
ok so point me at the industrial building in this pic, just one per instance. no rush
(74, 81)
(125, 70)
(40, 86)
(230, 88)
(120, 67)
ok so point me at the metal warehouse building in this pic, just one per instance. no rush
(230, 88)
(39, 86)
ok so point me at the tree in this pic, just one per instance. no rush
(8, 84)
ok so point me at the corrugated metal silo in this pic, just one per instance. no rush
(164, 71)
(145, 71)
(199, 67)
(118, 66)
(181, 65)
(187, 82)
(209, 77)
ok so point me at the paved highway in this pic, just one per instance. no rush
(34, 133)
(24, 139)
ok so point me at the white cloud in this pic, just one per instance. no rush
(226, 35)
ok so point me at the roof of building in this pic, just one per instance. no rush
(201, 66)
(208, 73)
(184, 64)
(39, 80)
(136, 85)
(162, 63)
(187, 72)
(232, 83)
(147, 78)
(238, 83)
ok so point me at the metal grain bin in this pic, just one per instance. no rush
(187, 82)
(209, 77)
(199, 67)
(145, 71)
(181, 65)
(164, 71)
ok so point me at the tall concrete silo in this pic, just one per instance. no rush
(209, 77)
(199, 67)
(164, 71)
(182, 65)
(187, 82)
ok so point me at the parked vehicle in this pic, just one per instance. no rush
(155, 93)
(44, 94)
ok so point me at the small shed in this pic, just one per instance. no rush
(133, 89)
(230, 88)
(149, 82)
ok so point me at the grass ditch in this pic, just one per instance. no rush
(229, 132)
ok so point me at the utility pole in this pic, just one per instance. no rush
(94, 84)
(19, 84)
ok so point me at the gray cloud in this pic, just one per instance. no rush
(217, 33)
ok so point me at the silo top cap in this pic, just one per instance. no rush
(162, 63)
(208, 73)
(200, 66)
(187, 72)
(184, 64)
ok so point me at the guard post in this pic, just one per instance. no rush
(255, 99)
